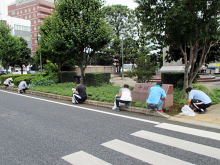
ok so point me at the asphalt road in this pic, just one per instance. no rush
(41, 131)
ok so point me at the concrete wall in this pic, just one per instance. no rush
(97, 68)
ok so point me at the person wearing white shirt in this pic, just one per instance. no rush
(124, 96)
(22, 86)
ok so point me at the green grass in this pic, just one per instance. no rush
(103, 93)
(107, 92)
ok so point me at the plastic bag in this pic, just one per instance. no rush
(120, 104)
(186, 110)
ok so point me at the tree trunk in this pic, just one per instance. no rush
(21, 69)
(59, 66)
(82, 74)
(6, 67)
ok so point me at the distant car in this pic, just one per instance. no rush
(32, 72)
(3, 73)
(19, 72)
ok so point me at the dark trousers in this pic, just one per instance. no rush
(199, 105)
(24, 90)
(117, 100)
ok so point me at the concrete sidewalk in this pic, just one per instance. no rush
(210, 118)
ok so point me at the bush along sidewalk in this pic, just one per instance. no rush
(93, 102)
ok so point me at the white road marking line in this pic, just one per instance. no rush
(83, 158)
(178, 143)
(143, 154)
(88, 109)
(191, 131)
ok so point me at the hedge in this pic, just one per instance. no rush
(14, 76)
(177, 79)
(67, 76)
(97, 79)
(21, 78)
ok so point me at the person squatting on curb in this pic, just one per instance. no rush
(124, 96)
(198, 99)
(22, 86)
(156, 97)
(7, 82)
(79, 94)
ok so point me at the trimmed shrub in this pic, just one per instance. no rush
(97, 79)
(177, 79)
(138, 104)
(102, 99)
(21, 78)
(144, 105)
(14, 76)
(67, 76)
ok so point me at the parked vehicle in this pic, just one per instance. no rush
(32, 72)
(19, 72)
(3, 73)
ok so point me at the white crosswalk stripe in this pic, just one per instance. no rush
(149, 156)
(142, 153)
(178, 143)
(191, 131)
(83, 158)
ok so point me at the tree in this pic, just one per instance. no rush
(23, 54)
(145, 69)
(9, 45)
(80, 26)
(121, 20)
(52, 44)
(186, 24)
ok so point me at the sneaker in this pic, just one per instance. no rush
(117, 109)
(127, 105)
(18, 91)
(197, 110)
(202, 112)
(160, 110)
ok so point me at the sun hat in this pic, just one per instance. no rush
(10, 79)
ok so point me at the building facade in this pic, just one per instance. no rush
(34, 11)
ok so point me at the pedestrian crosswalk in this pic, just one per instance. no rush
(149, 156)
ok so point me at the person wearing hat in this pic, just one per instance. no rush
(7, 82)
(22, 86)
(156, 97)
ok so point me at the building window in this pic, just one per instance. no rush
(35, 41)
(13, 12)
(34, 15)
(25, 10)
(29, 9)
(35, 21)
(34, 8)
(38, 13)
(38, 20)
(21, 12)
(17, 12)
(15, 26)
(29, 16)
(21, 17)
(35, 34)
(38, 6)
(35, 28)
(25, 17)
(38, 27)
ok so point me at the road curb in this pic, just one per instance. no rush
(93, 102)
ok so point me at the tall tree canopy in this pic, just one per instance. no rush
(192, 24)
(9, 45)
(23, 55)
(79, 26)
(121, 20)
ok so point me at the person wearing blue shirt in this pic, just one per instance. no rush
(156, 97)
(198, 99)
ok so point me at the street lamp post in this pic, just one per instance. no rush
(38, 37)
(122, 74)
